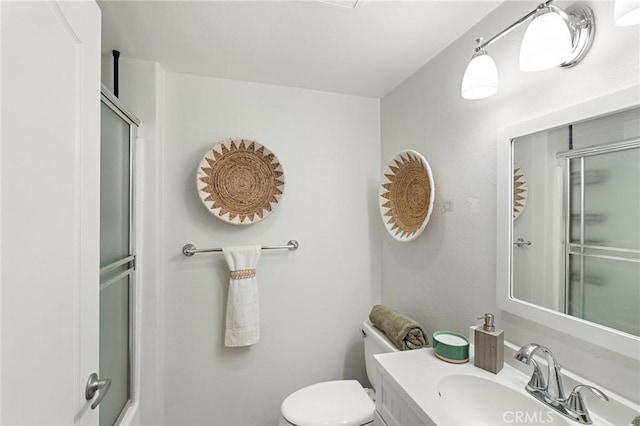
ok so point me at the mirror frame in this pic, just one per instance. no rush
(609, 338)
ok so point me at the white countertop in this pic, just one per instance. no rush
(417, 373)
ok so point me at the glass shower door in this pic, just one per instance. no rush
(604, 249)
(117, 260)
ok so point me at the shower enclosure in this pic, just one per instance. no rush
(117, 256)
(603, 217)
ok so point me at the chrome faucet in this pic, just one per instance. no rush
(551, 392)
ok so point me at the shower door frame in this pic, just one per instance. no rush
(578, 249)
(117, 107)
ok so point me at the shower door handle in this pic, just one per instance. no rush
(94, 385)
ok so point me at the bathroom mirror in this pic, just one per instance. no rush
(569, 220)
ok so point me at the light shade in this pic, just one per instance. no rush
(626, 12)
(480, 78)
(546, 42)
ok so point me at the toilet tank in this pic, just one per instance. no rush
(375, 342)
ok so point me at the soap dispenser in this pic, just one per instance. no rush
(489, 346)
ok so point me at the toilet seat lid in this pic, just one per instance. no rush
(341, 402)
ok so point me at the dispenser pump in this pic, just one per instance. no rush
(488, 322)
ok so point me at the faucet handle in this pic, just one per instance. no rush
(576, 403)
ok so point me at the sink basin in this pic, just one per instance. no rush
(469, 399)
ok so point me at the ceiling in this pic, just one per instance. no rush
(367, 50)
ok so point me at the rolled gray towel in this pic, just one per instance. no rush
(403, 332)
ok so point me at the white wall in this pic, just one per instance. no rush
(312, 301)
(538, 269)
(446, 277)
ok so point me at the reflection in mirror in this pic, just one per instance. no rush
(576, 220)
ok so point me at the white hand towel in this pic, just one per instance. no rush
(243, 315)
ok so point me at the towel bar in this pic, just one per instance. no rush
(189, 249)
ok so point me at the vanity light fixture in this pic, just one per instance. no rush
(546, 42)
(626, 12)
(554, 37)
(481, 77)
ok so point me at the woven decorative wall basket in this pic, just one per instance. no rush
(520, 191)
(407, 195)
(240, 181)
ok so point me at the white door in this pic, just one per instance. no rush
(49, 210)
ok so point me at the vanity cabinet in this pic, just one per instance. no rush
(377, 420)
(394, 405)
(394, 408)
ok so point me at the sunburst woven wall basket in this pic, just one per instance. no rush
(240, 181)
(407, 195)
(520, 191)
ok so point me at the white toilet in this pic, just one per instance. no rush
(339, 402)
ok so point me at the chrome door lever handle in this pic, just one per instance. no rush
(94, 385)
(520, 242)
